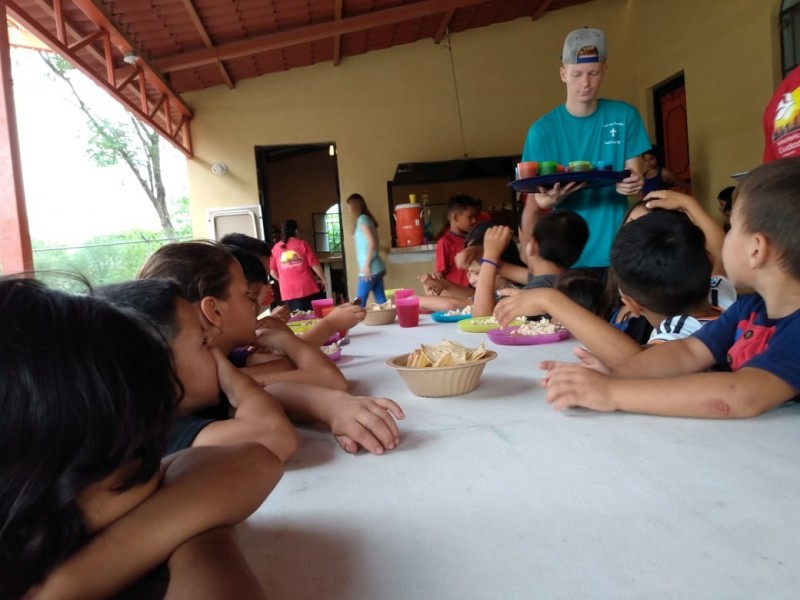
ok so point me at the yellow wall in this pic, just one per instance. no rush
(398, 105)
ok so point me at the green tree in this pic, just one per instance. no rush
(102, 259)
(112, 142)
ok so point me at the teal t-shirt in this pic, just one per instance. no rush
(376, 263)
(614, 133)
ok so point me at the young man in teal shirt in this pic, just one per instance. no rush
(592, 129)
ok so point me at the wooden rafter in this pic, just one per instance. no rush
(201, 29)
(337, 39)
(443, 24)
(115, 81)
(540, 9)
(310, 33)
(120, 40)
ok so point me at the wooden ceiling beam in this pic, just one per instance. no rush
(443, 24)
(103, 20)
(542, 8)
(110, 79)
(201, 29)
(337, 39)
(310, 33)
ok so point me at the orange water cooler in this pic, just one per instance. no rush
(409, 224)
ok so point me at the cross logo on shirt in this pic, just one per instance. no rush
(613, 132)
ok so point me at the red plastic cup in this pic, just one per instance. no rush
(403, 293)
(407, 311)
(318, 305)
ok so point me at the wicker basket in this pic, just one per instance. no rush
(438, 382)
(380, 317)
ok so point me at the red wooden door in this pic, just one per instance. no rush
(675, 137)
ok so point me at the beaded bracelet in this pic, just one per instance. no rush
(489, 262)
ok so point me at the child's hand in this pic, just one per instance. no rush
(273, 339)
(274, 323)
(280, 313)
(495, 241)
(468, 255)
(549, 197)
(345, 316)
(671, 200)
(433, 284)
(518, 303)
(364, 421)
(590, 361)
(631, 184)
(230, 378)
(569, 386)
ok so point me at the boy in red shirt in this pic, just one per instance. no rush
(462, 214)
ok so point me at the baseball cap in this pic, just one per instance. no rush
(584, 45)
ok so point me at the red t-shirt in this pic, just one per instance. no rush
(447, 247)
(293, 266)
(782, 120)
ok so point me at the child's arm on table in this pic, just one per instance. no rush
(602, 339)
(202, 489)
(307, 359)
(342, 317)
(715, 235)
(354, 420)
(257, 416)
(436, 303)
(745, 393)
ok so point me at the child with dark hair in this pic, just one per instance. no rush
(87, 508)
(585, 289)
(757, 336)
(204, 372)
(462, 214)
(341, 318)
(270, 297)
(657, 177)
(445, 295)
(725, 199)
(213, 281)
(662, 269)
(556, 242)
(255, 246)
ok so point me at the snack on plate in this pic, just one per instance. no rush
(444, 354)
(456, 312)
(306, 314)
(541, 327)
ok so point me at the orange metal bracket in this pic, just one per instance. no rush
(167, 113)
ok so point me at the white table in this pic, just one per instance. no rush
(495, 495)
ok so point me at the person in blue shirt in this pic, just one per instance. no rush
(371, 268)
(587, 128)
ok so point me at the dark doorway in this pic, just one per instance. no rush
(301, 182)
(672, 132)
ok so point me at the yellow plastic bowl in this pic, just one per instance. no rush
(439, 382)
(301, 326)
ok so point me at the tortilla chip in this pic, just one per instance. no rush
(444, 354)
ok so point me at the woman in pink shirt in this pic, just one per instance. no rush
(293, 263)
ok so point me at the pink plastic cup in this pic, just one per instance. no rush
(403, 293)
(407, 311)
(318, 305)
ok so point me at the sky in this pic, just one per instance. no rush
(70, 199)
